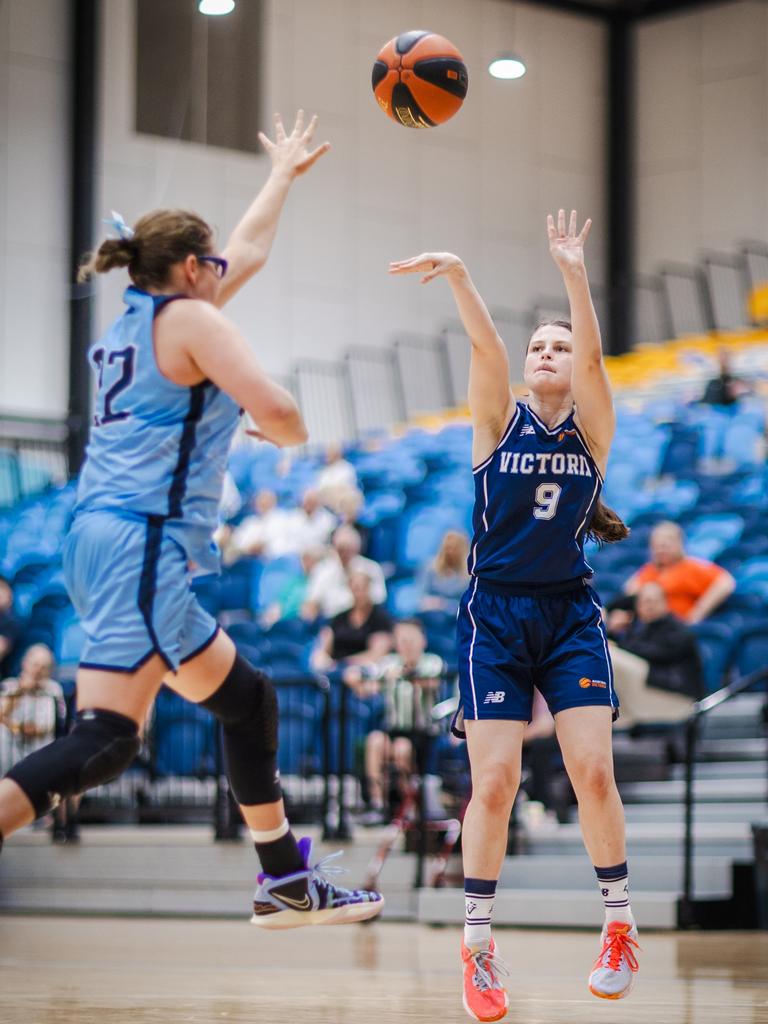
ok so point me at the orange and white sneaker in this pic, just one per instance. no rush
(485, 998)
(614, 971)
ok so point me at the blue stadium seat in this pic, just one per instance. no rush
(752, 651)
(185, 746)
(403, 596)
(239, 585)
(275, 576)
(716, 642)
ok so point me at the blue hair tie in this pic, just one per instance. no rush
(117, 223)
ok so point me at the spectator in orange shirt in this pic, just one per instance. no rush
(693, 586)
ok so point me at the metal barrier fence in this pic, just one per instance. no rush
(422, 366)
(688, 301)
(322, 391)
(728, 287)
(33, 455)
(756, 262)
(651, 315)
(375, 390)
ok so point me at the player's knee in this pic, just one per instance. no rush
(101, 745)
(495, 787)
(593, 779)
(246, 706)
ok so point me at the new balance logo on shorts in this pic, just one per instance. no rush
(495, 697)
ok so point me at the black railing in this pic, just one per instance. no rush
(376, 396)
(686, 911)
(651, 316)
(321, 388)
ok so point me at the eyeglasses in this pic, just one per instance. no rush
(218, 263)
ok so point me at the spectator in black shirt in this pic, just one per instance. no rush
(362, 635)
(656, 661)
(9, 627)
(725, 389)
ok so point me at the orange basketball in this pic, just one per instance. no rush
(419, 79)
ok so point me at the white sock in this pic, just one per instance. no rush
(614, 888)
(479, 895)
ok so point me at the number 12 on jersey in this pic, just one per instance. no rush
(547, 497)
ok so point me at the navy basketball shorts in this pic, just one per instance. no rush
(130, 585)
(512, 639)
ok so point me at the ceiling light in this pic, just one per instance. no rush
(216, 6)
(507, 67)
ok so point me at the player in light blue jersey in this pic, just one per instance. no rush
(529, 619)
(172, 375)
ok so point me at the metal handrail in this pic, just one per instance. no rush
(700, 709)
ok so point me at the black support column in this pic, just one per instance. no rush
(84, 27)
(620, 181)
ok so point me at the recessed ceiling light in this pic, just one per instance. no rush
(507, 67)
(216, 6)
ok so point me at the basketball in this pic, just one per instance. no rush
(419, 79)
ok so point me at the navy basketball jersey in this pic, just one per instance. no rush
(534, 501)
(156, 448)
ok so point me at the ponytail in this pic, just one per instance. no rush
(607, 527)
(149, 249)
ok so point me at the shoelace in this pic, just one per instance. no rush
(321, 870)
(618, 944)
(487, 964)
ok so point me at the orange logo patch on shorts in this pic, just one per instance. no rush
(585, 683)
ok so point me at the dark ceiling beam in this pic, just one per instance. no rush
(622, 10)
(582, 7)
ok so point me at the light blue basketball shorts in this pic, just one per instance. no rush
(130, 586)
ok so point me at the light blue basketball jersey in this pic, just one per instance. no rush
(156, 448)
(534, 501)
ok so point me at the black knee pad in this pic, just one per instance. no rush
(101, 745)
(246, 706)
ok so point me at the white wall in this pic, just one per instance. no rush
(703, 132)
(34, 206)
(480, 185)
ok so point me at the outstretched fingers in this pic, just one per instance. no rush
(561, 223)
(585, 230)
(279, 129)
(313, 157)
(572, 225)
(414, 265)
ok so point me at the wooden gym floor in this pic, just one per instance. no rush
(65, 970)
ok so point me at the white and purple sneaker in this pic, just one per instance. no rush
(322, 903)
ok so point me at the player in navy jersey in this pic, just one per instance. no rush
(528, 618)
(172, 375)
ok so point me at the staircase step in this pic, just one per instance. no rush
(704, 789)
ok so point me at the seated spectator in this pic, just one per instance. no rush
(9, 626)
(31, 707)
(270, 533)
(335, 478)
(361, 635)
(656, 663)
(314, 524)
(725, 388)
(443, 580)
(350, 505)
(328, 591)
(290, 600)
(409, 680)
(693, 586)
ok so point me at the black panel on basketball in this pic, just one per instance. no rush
(408, 40)
(440, 71)
(379, 71)
(406, 110)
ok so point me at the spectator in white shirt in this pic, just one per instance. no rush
(336, 477)
(270, 533)
(314, 523)
(328, 591)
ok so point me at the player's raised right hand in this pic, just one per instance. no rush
(430, 264)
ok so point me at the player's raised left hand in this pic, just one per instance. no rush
(291, 152)
(567, 246)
